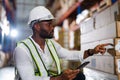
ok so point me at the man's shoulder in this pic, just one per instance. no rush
(23, 41)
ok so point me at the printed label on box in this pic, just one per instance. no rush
(117, 47)
(93, 62)
(118, 63)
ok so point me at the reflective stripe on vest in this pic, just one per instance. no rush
(38, 60)
(36, 57)
(54, 54)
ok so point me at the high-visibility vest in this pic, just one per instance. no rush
(41, 68)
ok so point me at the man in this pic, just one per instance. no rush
(37, 57)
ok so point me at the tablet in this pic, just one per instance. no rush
(83, 65)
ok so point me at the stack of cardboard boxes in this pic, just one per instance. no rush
(99, 29)
(102, 5)
(117, 50)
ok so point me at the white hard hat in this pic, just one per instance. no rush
(40, 13)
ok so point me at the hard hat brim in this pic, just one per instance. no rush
(41, 19)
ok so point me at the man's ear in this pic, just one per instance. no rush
(36, 26)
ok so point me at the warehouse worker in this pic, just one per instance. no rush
(37, 57)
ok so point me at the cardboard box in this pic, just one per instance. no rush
(110, 31)
(99, 75)
(110, 15)
(107, 32)
(114, 9)
(104, 4)
(118, 76)
(117, 17)
(103, 18)
(90, 45)
(87, 26)
(118, 28)
(117, 64)
(102, 63)
(117, 46)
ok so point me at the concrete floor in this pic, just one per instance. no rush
(7, 73)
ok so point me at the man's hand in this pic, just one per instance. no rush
(98, 49)
(67, 75)
(101, 48)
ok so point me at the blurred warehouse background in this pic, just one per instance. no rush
(80, 25)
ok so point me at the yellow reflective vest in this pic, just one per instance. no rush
(41, 68)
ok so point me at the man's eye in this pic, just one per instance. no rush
(49, 24)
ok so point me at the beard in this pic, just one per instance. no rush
(45, 34)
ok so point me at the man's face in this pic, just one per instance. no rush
(46, 29)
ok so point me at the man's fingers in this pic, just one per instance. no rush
(69, 71)
(70, 74)
(102, 45)
(74, 74)
(74, 71)
(102, 48)
(102, 51)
